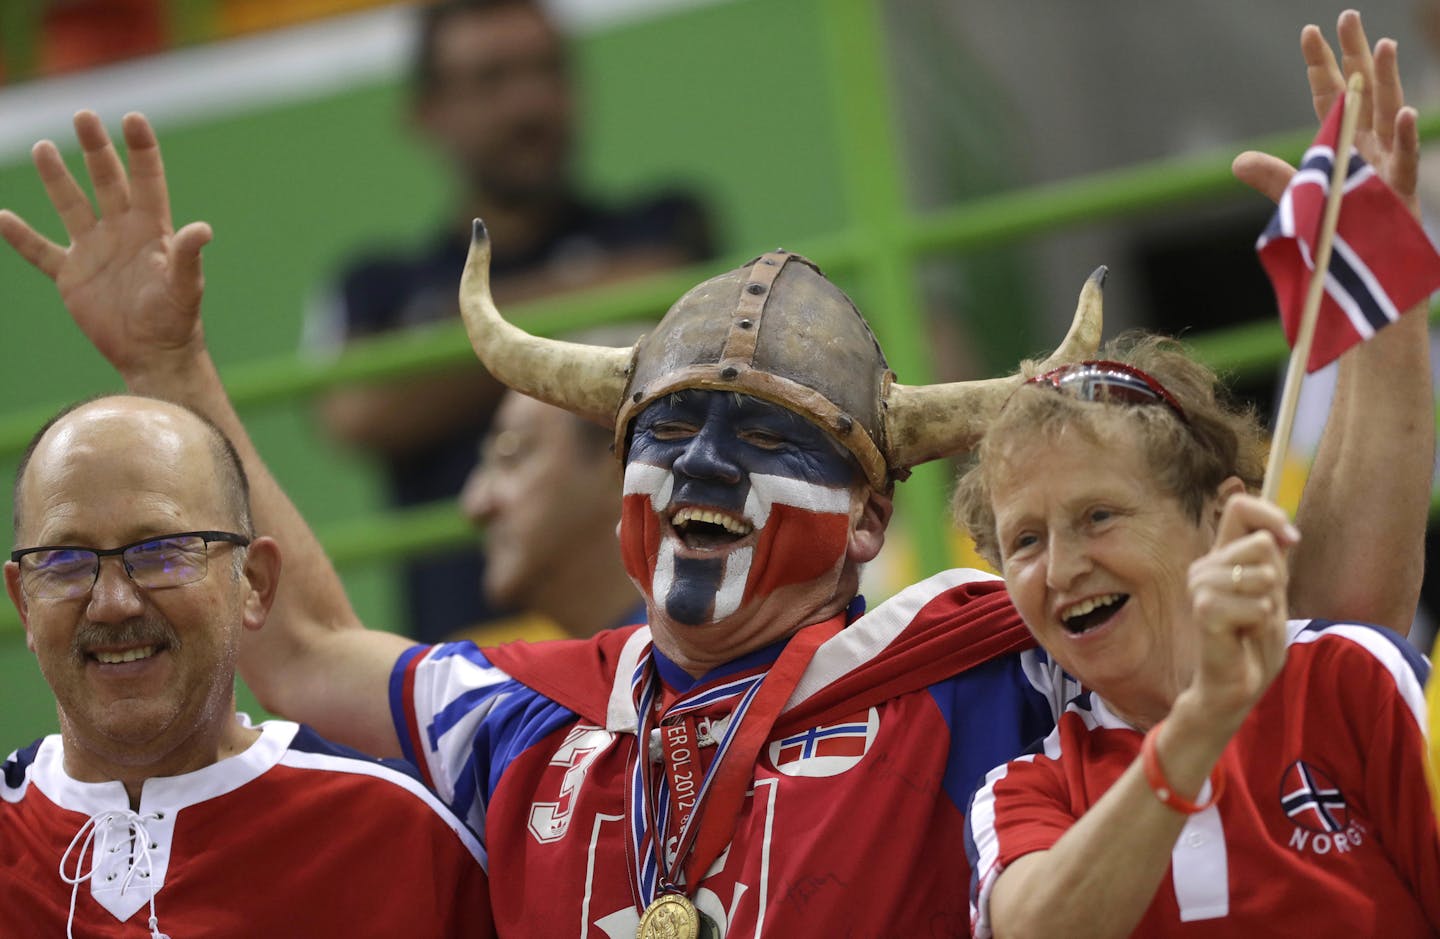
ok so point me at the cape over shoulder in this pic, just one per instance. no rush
(953, 621)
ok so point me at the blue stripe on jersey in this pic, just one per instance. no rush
(465, 649)
(517, 722)
(993, 714)
(19, 763)
(308, 741)
(1409, 653)
(399, 704)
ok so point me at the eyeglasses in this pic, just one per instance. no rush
(64, 572)
(1100, 380)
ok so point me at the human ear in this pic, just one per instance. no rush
(867, 531)
(262, 577)
(17, 597)
(1230, 487)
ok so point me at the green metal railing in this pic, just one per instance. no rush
(880, 248)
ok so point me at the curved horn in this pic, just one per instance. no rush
(586, 380)
(923, 422)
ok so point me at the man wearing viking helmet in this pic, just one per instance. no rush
(764, 757)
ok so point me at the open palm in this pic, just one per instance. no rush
(130, 281)
(1386, 135)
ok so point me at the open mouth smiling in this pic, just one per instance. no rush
(708, 529)
(1091, 613)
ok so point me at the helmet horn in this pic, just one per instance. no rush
(586, 380)
(929, 421)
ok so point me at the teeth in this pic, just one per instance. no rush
(129, 655)
(728, 522)
(1085, 606)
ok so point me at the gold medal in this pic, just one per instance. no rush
(671, 916)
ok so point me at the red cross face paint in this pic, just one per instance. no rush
(728, 499)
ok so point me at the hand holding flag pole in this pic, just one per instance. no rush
(1310, 313)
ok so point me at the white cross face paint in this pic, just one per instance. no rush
(703, 562)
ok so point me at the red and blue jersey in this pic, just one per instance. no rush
(294, 836)
(1324, 827)
(852, 823)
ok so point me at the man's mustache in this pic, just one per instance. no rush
(141, 631)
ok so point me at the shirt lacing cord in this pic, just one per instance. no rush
(103, 825)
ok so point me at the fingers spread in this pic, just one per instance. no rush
(107, 173)
(1266, 174)
(65, 194)
(30, 244)
(1403, 176)
(1355, 54)
(186, 276)
(1321, 69)
(147, 170)
(1389, 96)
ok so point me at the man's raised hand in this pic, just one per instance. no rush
(131, 282)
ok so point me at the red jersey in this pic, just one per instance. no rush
(851, 821)
(1324, 827)
(295, 836)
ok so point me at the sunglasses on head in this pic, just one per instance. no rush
(1105, 381)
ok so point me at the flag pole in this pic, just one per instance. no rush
(1305, 334)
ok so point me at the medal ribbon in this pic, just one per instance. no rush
(705, 822)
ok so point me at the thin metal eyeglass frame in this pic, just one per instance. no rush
(208, 537)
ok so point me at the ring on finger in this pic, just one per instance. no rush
(1237, 573)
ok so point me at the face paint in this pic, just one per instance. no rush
(727, 499)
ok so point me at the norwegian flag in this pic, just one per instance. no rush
(1381, 263)
(1311, 800)
(826, 749)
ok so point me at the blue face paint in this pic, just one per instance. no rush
(727, 498)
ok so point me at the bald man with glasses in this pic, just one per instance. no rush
(157, 809)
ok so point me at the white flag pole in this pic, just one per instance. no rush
(1305, 336)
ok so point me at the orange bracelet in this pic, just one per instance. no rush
(1165, 792)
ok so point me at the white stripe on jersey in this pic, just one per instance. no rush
(1381, 648)
(435, 687)
(865, 638)
(620, 717)
(1200, 866)
(981, 821)
(330, 763)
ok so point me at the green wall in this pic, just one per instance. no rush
(710, 98)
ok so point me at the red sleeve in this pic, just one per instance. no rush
(1397, 792)
(1024, 806)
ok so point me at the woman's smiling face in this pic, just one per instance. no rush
(1096, 557)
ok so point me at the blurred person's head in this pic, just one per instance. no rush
(492, 93)
(544, 492)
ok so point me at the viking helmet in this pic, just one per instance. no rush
(775, 329)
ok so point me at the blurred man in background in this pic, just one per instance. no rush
(544, 492)
(543, 495)
(493, 95)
